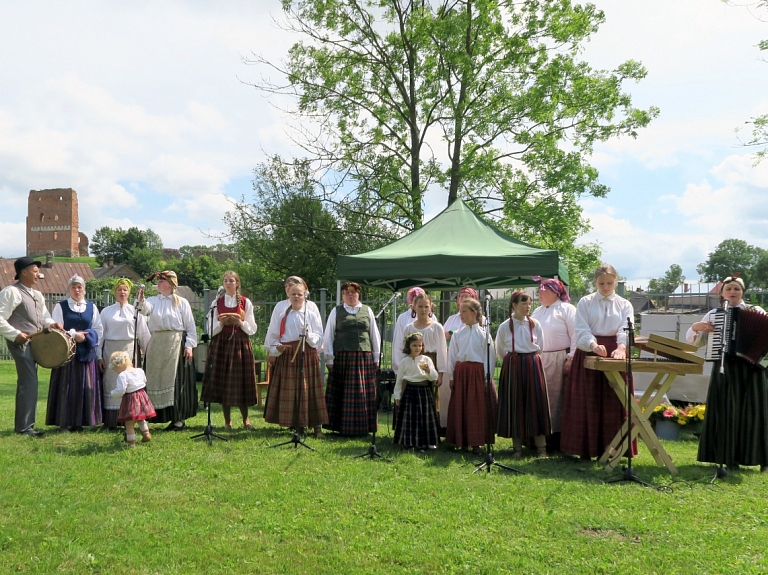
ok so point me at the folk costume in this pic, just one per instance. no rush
(523, 399)
(75, 392)
(352, 346)
(592, 414)
(417, 420)
(468, 412)
(558, 324)
(735, 430)
(23, 310)
(284, 385)
(135, 404)
(118, 321)
(230, 372)
(171, 380)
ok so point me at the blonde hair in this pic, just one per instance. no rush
(475, 307)
(604, 269)
(118, 359)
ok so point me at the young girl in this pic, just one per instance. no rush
(523, 402)
(416, 424)
(135, 405)
(470, 360)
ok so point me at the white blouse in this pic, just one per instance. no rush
(129, 381)
(399, 333)
(164, 317)
(118, 321)
(330, 333)
(471, 343)
(558, 322)
(699, 338)
(434, 340)
(79, 307)
(410, 370)
(598, 315)
(453, 323)
(249, 322)
(527, 340)
(294, 325)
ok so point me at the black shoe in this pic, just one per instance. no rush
(32, 433)
(172, 427)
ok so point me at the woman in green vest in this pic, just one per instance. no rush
(351, 345)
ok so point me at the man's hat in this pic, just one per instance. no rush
(25, 262)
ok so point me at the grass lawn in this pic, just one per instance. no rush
(82, 503)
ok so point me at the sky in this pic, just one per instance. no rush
(144, 108)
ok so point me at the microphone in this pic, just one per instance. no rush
(221, 291)
(306, 295)
(398, 294)
(488, 296)
(140, 290)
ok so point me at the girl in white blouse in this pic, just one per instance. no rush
(416, 424)
(523, 402)
(135, 405)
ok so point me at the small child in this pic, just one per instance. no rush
(417, 420)
(135, 405)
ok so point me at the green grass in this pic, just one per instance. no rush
(82, 503)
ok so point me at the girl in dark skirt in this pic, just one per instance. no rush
(135, 404)
(735, 428)
(471, 358)
(523, 401)
(230, 372)
(417, 421)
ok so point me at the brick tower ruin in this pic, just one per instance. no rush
(52, 223)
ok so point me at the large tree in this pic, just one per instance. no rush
(736, 256)
(140, 249)
(672, 279)
(482, 99)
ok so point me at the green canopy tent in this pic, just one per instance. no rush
(456, 248)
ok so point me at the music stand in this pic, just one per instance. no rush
(208, 432)
(628, 474)
(371, 452)
(488, 460)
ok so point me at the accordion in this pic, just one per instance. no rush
(739, 332)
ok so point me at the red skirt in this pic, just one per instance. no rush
(592, 413)
(135, 406)
(468, 412)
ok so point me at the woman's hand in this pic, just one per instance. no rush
(703, 326)
(188, 354)
(281, 348)
(598, 349)
(102, 366)
(567, 366)
(79, 337)
(439, 381)
(620, 352)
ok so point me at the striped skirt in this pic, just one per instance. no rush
(592, 413)
(110, 404)
(74, 395)
(523, 401)
(135, 406)
(351, 394)
(468, 413)
(284, 388)
(417, 421)
(230, 372)
(736, 423)
(553, 363)
(171, 380)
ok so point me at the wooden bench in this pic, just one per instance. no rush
(262, 385)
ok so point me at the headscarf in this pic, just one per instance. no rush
(412, 293)
(75, 279)
(733, 279)
(555, 286)
(468, 290)
(123, 282)
(166, 275)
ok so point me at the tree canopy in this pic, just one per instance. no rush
(481, 99)
(141, 250)
(736, 256)
(672, 279)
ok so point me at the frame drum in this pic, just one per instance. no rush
(53, 348)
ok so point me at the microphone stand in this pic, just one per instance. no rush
(372, 453)
(628, 474)
(136, 308)
(208, 432)
(488, 460)
(295, 439)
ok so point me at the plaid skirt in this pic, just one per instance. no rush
(468, 412)
(417, 422)
(135, 406)
(230, 372)
(523, 401)
(553, 363)
(74, 395)
(736, 424)
(592, 414)
(284, 388)
(351, 394)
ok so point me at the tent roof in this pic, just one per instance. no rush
(456, 248)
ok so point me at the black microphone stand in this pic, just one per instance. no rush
(208, 432)
(488, 460)
(295, 439)
(628, 474)
(372, 453)
(136, 349)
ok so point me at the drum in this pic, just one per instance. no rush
(52, 349)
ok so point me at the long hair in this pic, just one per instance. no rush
(517, 297)
(475, 307)
(415, 301)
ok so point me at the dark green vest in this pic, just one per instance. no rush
(352, 330)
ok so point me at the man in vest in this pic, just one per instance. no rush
(23, 312)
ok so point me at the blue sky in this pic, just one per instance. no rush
(141, 108)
